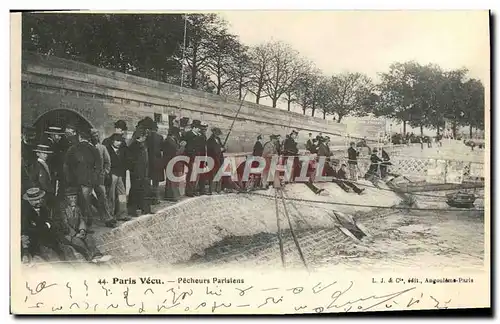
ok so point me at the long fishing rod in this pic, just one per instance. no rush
(234, 120)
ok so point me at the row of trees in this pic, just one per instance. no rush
(200, 49)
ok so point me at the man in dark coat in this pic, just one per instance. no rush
(202, 144)
(310, 144)
(54, 138)
(138, 165)
(258, 150)
(385, 164)
(38, 237)
(171, 148)
(195, 146)
(155, 158)
(291, 152)
(120, 128)
(41, 175)
(83, 168)
(117, 195)
(373, 171)
(258, 147)
(324, 148)
(352, 161)
(215, 150)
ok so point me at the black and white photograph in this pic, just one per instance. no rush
(279, 141)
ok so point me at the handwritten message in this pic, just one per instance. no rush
(171, 296)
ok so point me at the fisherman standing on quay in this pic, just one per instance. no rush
(195, 145)
(291, 152)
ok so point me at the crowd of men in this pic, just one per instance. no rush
(70, 178)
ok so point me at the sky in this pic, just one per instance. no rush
(369, 41)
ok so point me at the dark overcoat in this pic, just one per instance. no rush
(83, 165)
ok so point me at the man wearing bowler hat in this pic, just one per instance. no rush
(120, 128)
(38, 235)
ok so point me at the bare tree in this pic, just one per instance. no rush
(260, 57)
(241, 70)
(200, 32)
(284, 68)
(222, 55)
(307, 90)
(347, 94)
(303, 68)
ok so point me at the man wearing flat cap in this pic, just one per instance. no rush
(72, 229)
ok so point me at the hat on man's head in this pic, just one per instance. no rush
(352, 143)
(116, 137)
(216, 131)
(54, 130)
(71, 191)
(29, 132)
(375, 150)
(203, 125)
(196, 123)
(85, 133)
(294, 132)
(42, 148)
(184, 121)
(146, 122)
(121, 124)
(33, 194)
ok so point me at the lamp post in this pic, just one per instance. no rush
(184, 49)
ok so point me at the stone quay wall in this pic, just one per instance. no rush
(102, 96)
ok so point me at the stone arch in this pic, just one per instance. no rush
(60, 118)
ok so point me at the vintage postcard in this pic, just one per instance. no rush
(250, 162)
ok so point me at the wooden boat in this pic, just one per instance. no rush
(461, 199)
